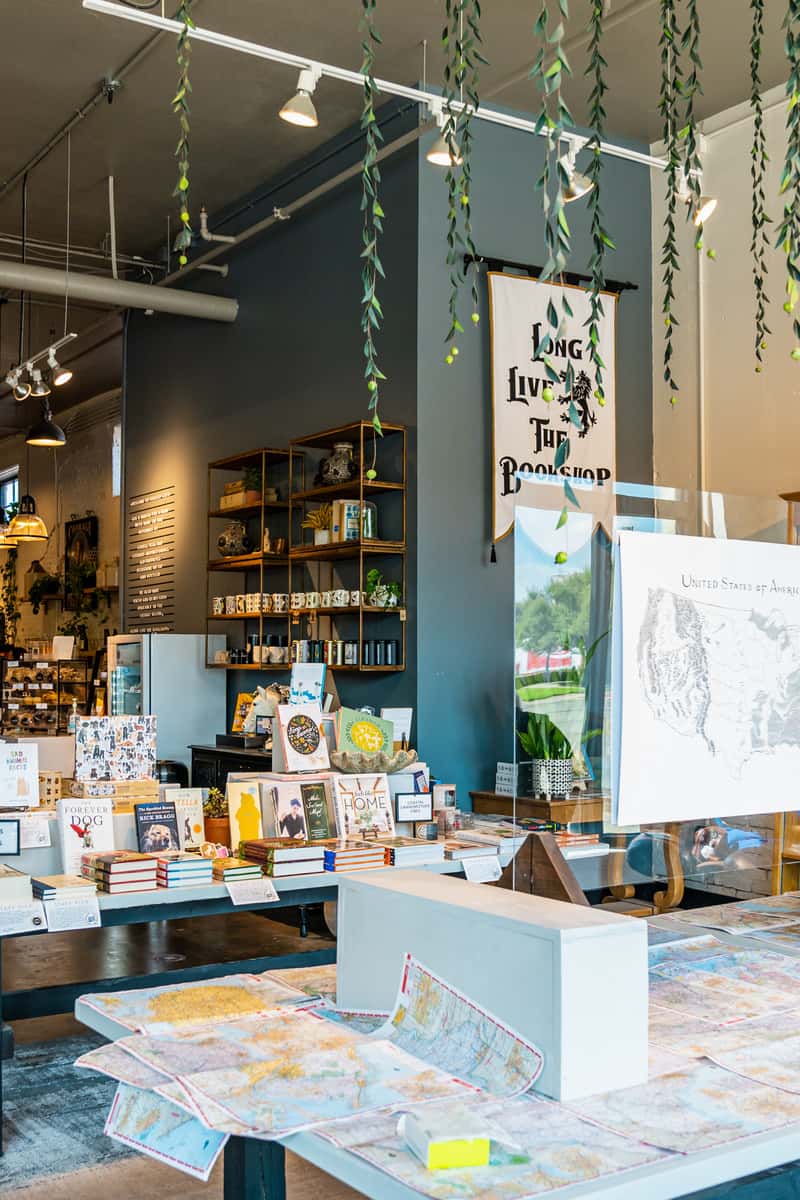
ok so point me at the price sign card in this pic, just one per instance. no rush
(81, 912)
(22, 918)
(252, 891)
(485, 869)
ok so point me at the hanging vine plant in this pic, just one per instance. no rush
(693, 166)
(555, 121)
(180, 106)
(372, 213)
(758, 167)
(600, 239)
(668, 107)
(461, 38)
(789, 232)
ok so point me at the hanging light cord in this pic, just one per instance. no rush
(24, 260)
(69, 189)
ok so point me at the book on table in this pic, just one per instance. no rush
(244, 810)
(83, 825)
(358, 732)
(156, 827)
(189, 812)
(455, 850)
(235, 868)
(363, 805)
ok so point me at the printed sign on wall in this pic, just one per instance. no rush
(150, 573)
(527, 431)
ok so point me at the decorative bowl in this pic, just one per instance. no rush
(360, 763)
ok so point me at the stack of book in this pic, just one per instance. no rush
(355, 856)
(15, 886)
(412, 852)
(281, 857)
(57, 887)
(184, 870)
(121, 871)
(455, 850)
(565, 838)
(227, 869)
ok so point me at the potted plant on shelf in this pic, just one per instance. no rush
(43, 587)
(550, 758)
(215, 818)
(319, 519)
(381, 594)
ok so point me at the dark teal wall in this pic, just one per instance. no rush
(290, 365)
(465, 605)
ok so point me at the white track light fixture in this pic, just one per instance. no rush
(60, 375)
(577, 184)
(39, 388)
(20, 387)
(300, 109)
(439, 154)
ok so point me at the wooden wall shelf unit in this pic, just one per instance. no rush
(345, 564)
(258, 572)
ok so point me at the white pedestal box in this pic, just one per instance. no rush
(571, 979)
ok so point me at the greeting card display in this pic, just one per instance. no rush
(115, 748)
(363, 805)
(19, 776)
(302, 740)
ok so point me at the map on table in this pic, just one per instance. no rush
(692, 1109)
(175, 1006)
(155, 1127)
(313, 981)
(705, 670)
(442, 1026)
(536, 1147)
(112, 1060)
(734, 918)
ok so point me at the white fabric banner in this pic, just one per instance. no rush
(527, 431)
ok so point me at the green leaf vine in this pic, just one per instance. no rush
(758, 167)
(789, 231)
(600, 239)
(669, 92)
(372, 213)
(693, 166)
(555, 122)
(180, 106)
(461, 39)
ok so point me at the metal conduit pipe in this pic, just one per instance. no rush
(117, 292)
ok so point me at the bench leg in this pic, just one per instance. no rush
(254, 1170)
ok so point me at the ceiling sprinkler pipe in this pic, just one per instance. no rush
(205, 233)
(116, 293)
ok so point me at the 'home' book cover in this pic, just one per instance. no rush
(157, 827)
(363, 805)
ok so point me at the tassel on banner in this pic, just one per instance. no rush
(493, 554)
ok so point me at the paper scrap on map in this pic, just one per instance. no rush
(313, 981)
(177, 1006)
(443, 1027)
(537, 1146)
(152, 1125)
(693, 1109)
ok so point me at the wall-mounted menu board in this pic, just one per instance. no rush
(150, 567)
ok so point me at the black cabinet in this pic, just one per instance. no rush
(211, 765)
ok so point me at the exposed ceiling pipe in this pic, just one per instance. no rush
(101, 96)
(58, 249)
(117, 292)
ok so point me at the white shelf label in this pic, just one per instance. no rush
(252, 891)
(81, 912)
(485, 869)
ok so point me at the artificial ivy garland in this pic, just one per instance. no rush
(600, 239)
(180, 106)
(461, 38)
(789, 232)
(670, 260)
(693, 167)
(758, 167)
(373, 214)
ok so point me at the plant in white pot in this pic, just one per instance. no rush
(550, 756)
(319, 519)
(381, 594)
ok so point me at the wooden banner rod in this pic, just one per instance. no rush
(500, 264)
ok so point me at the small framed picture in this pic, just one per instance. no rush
(9, 836)
(413, 806)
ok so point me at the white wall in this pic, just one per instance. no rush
(733, 430)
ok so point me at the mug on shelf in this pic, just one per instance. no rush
(241, 603)
(230, 605)
(313, 599)
(221, 656)
(355, 597)
(275, 654)
(297, 600)
(280, 602)
(252, 601)
(218, 605)
(266, 602)
(327, 599)
(341, 598)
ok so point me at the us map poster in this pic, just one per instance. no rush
(705, 677)
(527, 430)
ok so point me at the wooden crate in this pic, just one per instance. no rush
(116, 789)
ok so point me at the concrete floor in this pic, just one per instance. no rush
(134, 950)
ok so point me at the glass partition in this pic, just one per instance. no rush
(563, 743)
